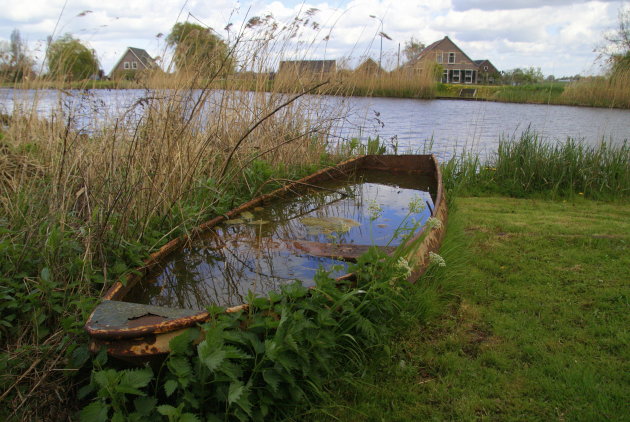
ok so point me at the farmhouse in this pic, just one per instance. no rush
(132, 61)
(456, 66)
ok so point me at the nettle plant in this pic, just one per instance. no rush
(268, 362)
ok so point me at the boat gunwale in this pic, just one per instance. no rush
(118, 290)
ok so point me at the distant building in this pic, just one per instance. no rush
(457, 67)
(486, 72)
(369, 67)
(133, 61)
(306, 68)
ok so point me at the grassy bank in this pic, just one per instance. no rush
(543, 93)
(534, 325)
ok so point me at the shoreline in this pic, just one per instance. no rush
(111, 85)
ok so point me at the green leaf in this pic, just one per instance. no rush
(272, 378)
(294, 290)
(181, 343)
(106, 378)
(179, 366)
(85, 391)
(118, 268)
(215, 310)
(212, 359)
(94, 412)
(188, 417)
(137, 378)
(145, 405)
(118, 417)
(236, 390)
(45, 274)
(169, 387)
(80, 355)
(232, 352)
(101, 358)
(168, 411)
(125, 389)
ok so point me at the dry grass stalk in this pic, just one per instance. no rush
(103, 181)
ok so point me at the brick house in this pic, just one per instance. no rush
(133, 61)
(456, 66)
(487, 73)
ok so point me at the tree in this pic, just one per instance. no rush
(520, 76)
(616, 51)
(413, 48)
(199, 48)
(15, 63)
(69, 59)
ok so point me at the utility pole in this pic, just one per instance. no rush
(381, 34)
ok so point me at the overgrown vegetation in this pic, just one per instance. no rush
(604, 91)
(531, 165)
(270, 362)
(86, 198)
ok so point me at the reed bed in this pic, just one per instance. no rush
(612, 91)
(397, 83)
(530, 165)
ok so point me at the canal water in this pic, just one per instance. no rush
(289, 239)
(404, 125)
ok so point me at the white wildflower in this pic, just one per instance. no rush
(436, 259)
(416, 205)
(403, 265)
(434, 223)
(374, 210)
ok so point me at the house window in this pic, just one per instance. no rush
(451, 58)
(134, 65)
(445, 77)
(439, 57)
(126, 65)
(455, 78)
(485, 68)
(468, 76)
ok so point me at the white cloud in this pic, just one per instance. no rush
(557, 36)
(514, 4)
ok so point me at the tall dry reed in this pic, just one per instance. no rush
(87, 192)
(599, 91)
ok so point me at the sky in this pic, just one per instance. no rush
(557, 36)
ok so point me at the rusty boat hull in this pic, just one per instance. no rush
(138, 332)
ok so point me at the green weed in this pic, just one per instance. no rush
(530, 165)
(273, 360)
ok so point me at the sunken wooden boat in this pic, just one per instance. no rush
(324, 220)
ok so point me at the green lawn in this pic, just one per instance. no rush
(534, 325)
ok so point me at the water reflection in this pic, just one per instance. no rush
(269, 246)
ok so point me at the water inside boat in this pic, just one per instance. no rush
(289, 238)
